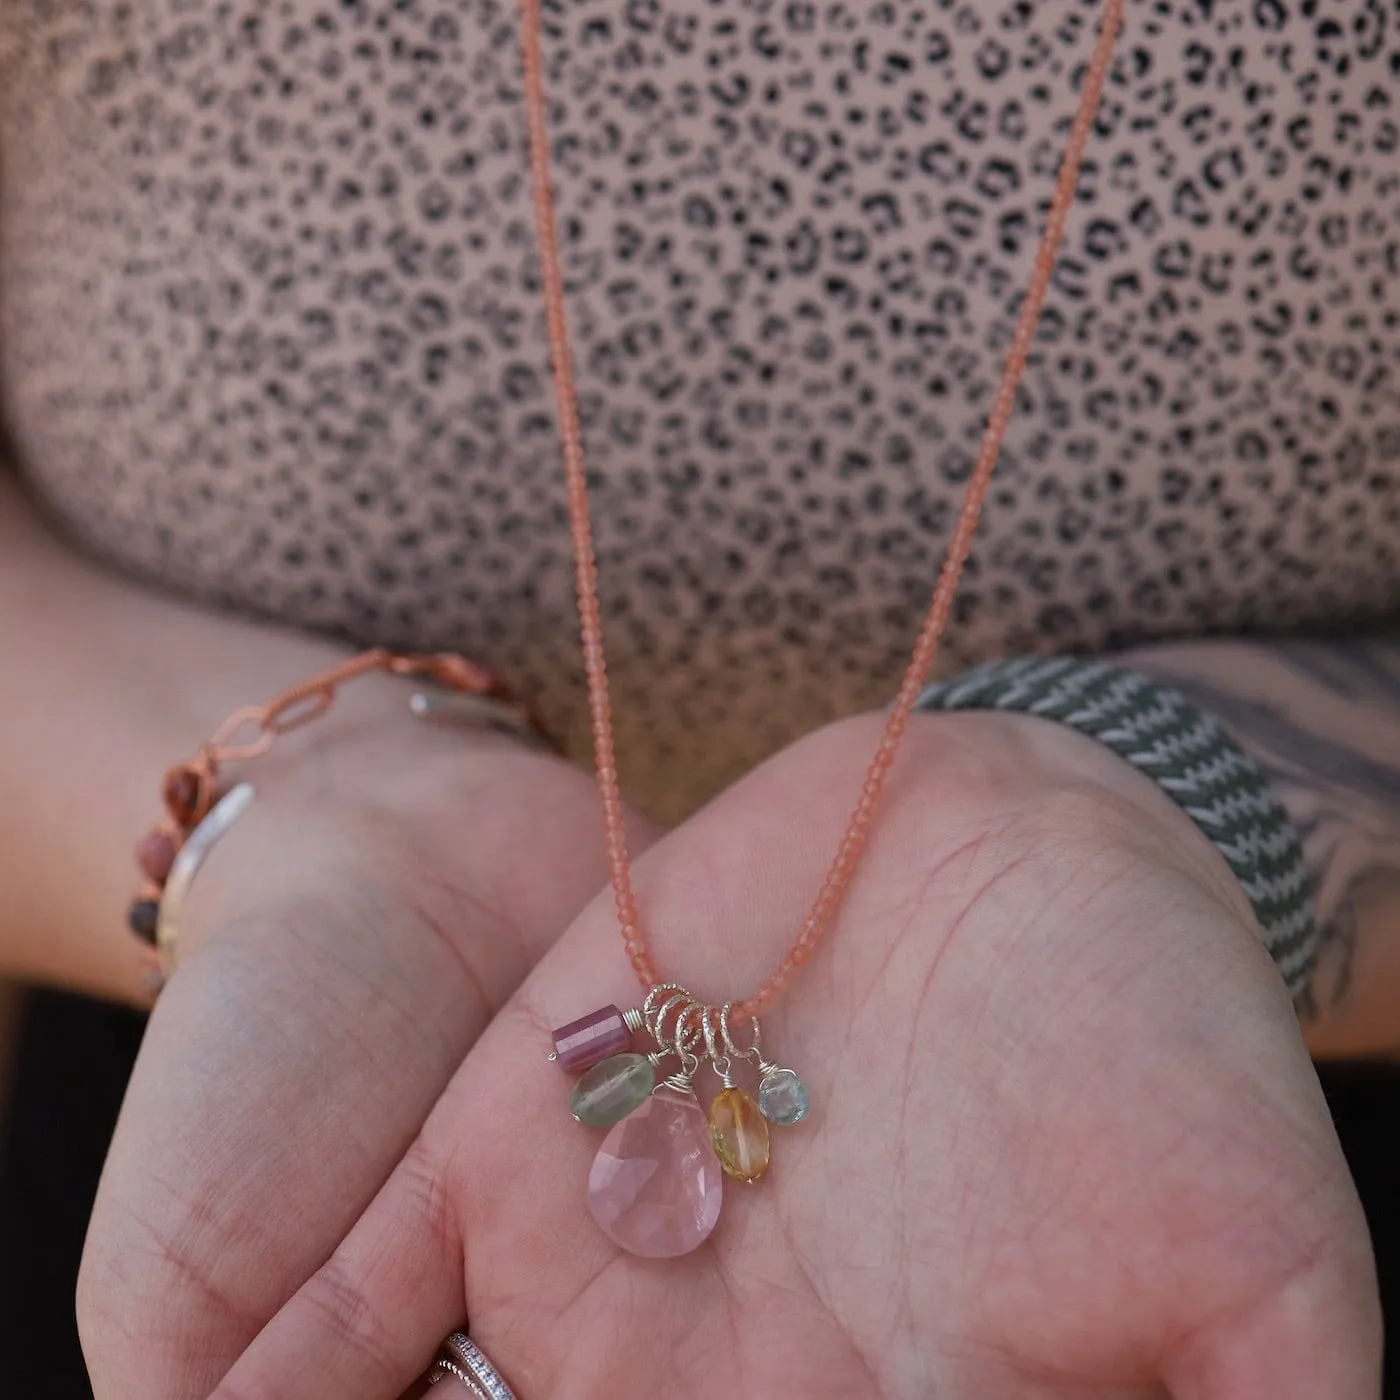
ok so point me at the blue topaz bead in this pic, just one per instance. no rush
(783, 1097)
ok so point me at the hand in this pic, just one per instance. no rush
(390, 886)
(1065, 1138)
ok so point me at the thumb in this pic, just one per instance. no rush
(1317, 1337)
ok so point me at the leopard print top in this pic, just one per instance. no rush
(272, 334)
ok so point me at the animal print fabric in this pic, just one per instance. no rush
(272, 335)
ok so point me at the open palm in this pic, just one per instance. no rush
(1065, 1138)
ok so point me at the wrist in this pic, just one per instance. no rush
(201, 804)
(1183, 749)
(1067, 785)
(463, 846)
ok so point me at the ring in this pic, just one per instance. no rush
(462, 1358)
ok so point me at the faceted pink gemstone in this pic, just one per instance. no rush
(656, 1184)
(593, 1038)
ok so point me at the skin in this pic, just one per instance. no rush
(1174, 1217)
(311, 944)
(1117, 1174)
(346, 947)
(350, 925)
(1322, 717)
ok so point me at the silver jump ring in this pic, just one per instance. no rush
(719, 1059)
(682, 1013)
(656, 1014)
(470, 1365)
(711, 1044)
(661, 989)
(688, 1030)
(754, 1052)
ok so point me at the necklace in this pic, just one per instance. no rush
(654, 1187)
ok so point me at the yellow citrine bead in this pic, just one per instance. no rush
(740, 1135)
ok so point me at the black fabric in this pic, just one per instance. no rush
(74, 1060)
(1365, 1102)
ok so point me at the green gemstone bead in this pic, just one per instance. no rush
(612, 1089)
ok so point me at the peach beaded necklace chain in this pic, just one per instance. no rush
(671, 1206)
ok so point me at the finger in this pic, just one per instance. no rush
(492, 1160)
(489, 1160)
(1319, 1337)
(211, 1213)
(369, 1322)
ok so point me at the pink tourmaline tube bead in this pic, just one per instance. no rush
(583, 1043)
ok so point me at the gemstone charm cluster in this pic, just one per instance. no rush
(656, 1183)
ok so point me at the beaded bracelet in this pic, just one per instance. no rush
(198, 812)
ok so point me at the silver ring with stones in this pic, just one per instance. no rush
(462, 1358)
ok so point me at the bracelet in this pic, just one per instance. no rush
(198, 812)
(1185, 751)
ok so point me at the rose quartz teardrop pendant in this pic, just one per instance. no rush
(656, 1186)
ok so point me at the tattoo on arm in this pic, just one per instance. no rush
(1323, 718)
